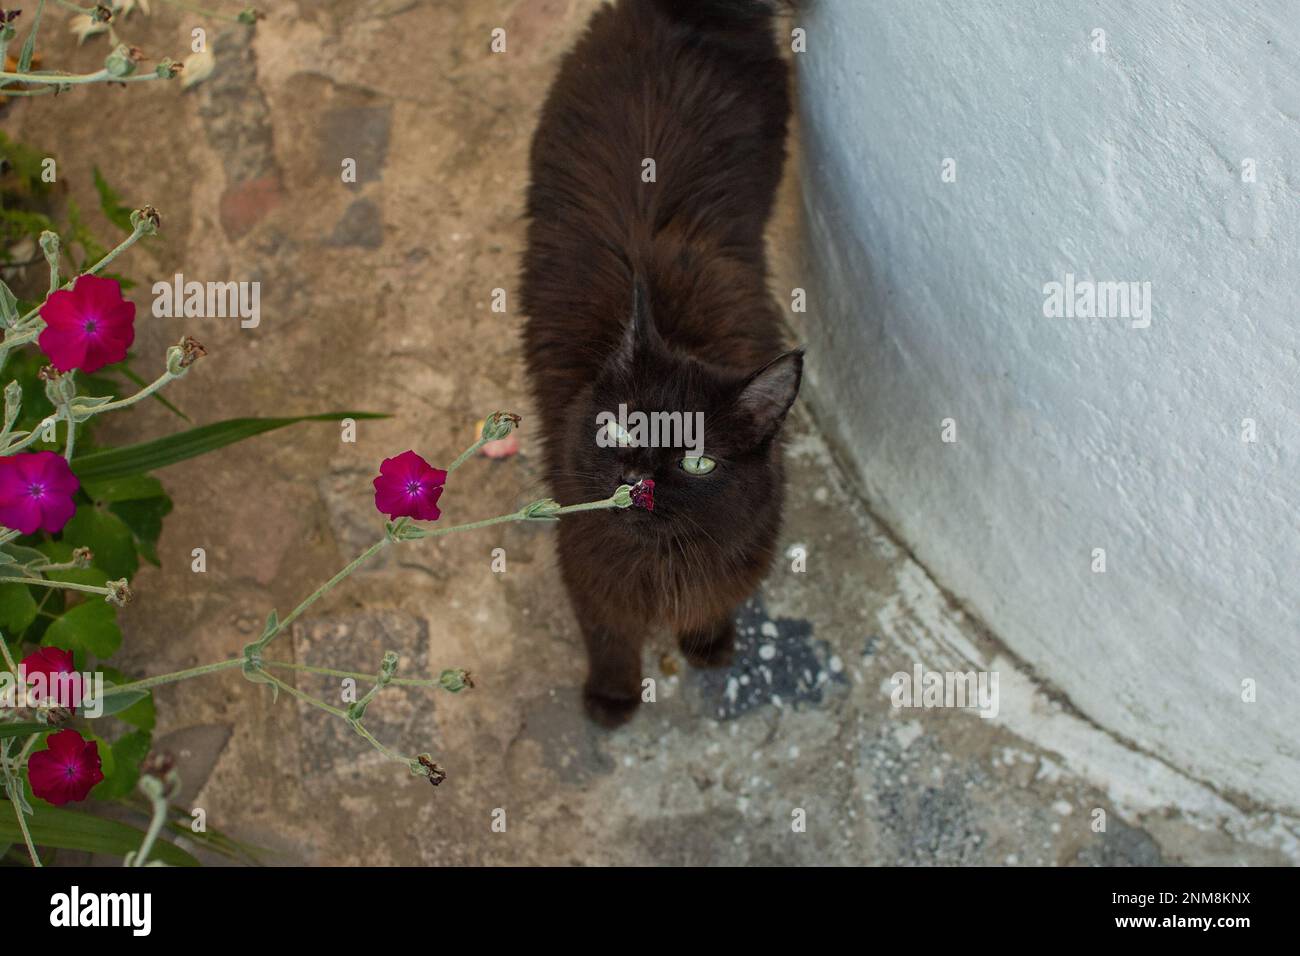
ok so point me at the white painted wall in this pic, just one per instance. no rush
(926, 302)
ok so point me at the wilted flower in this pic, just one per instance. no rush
(425, 766)
(643, 494)
(49, 663)
(36, 490)
(66, 770)
(409, 487)
(119, 593)
(87, 327)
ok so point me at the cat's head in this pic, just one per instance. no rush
(705, 434)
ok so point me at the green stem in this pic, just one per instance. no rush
(22, 825)
(43, 91)
(374, 742)
(466, 454)
(138, 396)
(307, 698)
(173, 677)
(155, 827)
(324, 589)
(67, 585)
(357, 675)
(75, 79)
(32, 436)
(9, 658)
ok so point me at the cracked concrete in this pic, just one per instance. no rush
(375, 296)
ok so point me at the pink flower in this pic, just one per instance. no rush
(36, 490)
(409, 487)
(88, 327)
(66, 770)
(643, 494)
(50, 662)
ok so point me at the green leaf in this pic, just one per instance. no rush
(8, 306)
(17, 608)
(144, 517)
(161, 452)
(111, 203)
(127, 754)
(135, 708)
(89, 627)
(22, 554)
(142, 714)
(29, 45)
(23, 730)
(130, 488)
(108, 538)
(78, 830)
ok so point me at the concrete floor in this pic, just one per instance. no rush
(376, 296)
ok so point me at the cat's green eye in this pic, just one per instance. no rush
(617, 435)
(698, 465)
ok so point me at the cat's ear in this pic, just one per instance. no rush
(640, 335)
(766, 396)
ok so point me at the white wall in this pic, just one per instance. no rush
(926, 302)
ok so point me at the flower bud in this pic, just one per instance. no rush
(147, 220)
(388, 668)
(623, 496)
(543, 510)
(455, 680)
(121, 62)
(498, 425)
(81, 557)
(167, 68)
(13, 401)
(49, 242)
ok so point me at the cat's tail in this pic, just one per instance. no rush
(726, 14)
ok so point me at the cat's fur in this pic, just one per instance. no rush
(654, 295)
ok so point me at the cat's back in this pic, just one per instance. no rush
(659, 149)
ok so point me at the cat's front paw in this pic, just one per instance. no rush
(606, 710)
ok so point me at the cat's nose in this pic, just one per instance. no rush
(632, 476)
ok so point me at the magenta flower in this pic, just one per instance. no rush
(89, 326)
(66, 770)
(643, 494)
(36, 490)
(409, 487)
(49, 663)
